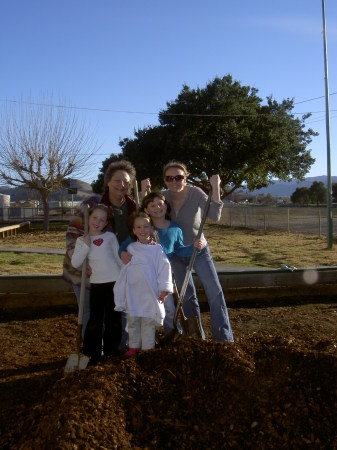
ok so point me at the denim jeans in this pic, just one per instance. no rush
(204, 268)
(169, 314)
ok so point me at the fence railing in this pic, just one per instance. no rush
(16, 213)
(307, 219)
(12, 229)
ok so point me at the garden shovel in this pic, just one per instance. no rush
(190, 326)
(78, 361)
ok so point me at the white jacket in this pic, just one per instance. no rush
(141, 280)
(102, 255)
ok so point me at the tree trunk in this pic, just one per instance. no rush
(45, 214)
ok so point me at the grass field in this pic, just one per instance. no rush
(229, 245)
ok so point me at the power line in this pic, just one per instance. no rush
(156, 113)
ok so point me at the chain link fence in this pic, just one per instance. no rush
(290, 219)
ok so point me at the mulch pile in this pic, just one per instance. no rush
(272, 388)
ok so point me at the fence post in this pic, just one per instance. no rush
(264, 220)
(288, 220)
(319, 222)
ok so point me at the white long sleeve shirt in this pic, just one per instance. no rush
(141, 280)
(102, 257)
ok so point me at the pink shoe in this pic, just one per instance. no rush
(131, 352)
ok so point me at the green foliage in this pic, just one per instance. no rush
(318, 193)
(334, 192)
(301, 196)
(224, 128)
(315, 194)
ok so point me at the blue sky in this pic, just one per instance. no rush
(128, 58)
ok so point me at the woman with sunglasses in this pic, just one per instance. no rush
(187, 203)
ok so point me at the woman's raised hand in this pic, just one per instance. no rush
(215, 184)
(145, 186)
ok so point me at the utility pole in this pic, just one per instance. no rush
(327, 120)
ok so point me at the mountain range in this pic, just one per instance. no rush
(287, 188)
(276, 189)
(84, 190)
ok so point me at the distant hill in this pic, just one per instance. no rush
(84, 190)
(286, 188)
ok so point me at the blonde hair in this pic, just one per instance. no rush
(176, 165)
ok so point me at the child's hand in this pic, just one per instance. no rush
(89, 270)
(126, 257)
(162, 296)
(199, 243)
(86, 239)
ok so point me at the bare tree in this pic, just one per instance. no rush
(41, 145)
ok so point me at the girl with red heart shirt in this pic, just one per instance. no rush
(101, 249)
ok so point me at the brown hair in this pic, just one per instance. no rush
(101, 207)
(124, 165)
(177, 165)
(137, 215)
(150, 197)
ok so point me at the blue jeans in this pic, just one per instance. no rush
(169, 314)
(204, 268)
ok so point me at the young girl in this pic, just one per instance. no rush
(170, 238)
(143, 286)
(101, 248)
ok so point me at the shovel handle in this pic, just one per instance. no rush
(192, 259)
(84, 270)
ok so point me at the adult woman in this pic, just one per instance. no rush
(117, 181)
(187, 203)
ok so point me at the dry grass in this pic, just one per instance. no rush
(255, 248)
(229, 245)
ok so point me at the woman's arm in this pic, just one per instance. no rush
(145, 187)
(123, 253)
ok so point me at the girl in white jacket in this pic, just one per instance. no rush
(143, 285)
(101, 248)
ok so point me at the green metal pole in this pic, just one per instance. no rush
(327, 120)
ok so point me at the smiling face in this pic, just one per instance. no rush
(175, 179)
(156, 208)
(118, 185)
(97, 221)
(142, 229)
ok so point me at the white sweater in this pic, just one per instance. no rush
(141, 280)
(102, 257)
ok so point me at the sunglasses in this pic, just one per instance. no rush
(169, 178)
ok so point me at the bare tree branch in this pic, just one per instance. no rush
(41, 145)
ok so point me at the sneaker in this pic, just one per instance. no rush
(131, 352)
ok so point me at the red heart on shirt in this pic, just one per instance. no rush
(98, 242)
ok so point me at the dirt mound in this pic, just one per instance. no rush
(193, 395)
(275, 387)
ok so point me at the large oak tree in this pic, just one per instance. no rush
(224, 128)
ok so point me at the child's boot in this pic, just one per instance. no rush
(131, 352)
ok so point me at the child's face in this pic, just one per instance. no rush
(142, 229)
(157, 208)
(97, 221)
